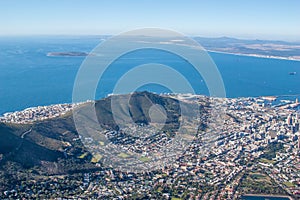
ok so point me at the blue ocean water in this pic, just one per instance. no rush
(263, 198)
(28, 77)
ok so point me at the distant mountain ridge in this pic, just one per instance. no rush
(259, 48)
(251, 47)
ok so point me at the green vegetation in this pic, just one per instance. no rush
(82, 156)
(289, 184)
(257, 176)
(96, 158)
(144, 159)
(264, 160)
(139, 105)
(257, 182)
(123, 155)
(270, 151)
(175, 198)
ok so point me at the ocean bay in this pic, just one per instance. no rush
(30, 78)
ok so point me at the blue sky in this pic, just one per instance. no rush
(262, 19)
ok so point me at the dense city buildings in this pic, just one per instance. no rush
(255, 142)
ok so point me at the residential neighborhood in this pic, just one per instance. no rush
(249, 138)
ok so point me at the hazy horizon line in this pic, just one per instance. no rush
(188, 35)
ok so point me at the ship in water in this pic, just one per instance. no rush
(292, 73)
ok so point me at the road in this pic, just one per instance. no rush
(25, 133)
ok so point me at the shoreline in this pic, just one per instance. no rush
(255, 55)
(38, 113)
(267, 195)
(267, 97)
(61, 108)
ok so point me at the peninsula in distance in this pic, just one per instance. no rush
(255, 48)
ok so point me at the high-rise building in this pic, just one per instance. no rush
(295, 127)
(289, 120)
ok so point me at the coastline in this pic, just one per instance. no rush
(267, 97)
(267, 195)
(38, 113)
(255, 55)
(62, 108)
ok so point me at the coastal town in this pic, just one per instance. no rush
(255, 145)
(39, 113)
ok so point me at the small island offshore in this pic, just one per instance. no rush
(67, 54)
